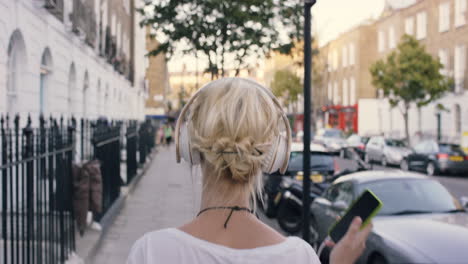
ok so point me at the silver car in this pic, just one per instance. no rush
(333, 139)
(386, 151)
(420, 221)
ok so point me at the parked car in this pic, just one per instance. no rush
(322, 165)
(333, 139)
(434, 158)
(290, 195)
(357, 143)
(386, 151)
(419, 222)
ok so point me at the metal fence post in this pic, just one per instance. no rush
(4, 188)
(28, 153)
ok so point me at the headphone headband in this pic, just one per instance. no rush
(264, 89)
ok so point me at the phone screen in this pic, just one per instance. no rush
(365, 207)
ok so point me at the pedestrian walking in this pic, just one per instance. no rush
(235, 129)
(160, 135)
(168, 134)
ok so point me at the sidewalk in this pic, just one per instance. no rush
(164, 197)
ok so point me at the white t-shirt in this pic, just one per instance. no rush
(175, 246)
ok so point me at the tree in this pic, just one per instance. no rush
(409, 75)
(288, 85)
(222, 30)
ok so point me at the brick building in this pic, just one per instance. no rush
(441, 26)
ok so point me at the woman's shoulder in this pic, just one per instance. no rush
(152, 243)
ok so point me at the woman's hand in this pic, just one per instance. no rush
(351, 246)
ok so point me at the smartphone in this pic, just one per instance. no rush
(366, 207)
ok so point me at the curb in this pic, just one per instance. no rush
(114, 211)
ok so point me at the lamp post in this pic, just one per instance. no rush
(307, 116)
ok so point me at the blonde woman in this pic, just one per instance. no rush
(231, 130)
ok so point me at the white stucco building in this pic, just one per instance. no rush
(72, 57)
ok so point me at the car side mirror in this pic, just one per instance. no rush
(340, 205)
(464, 201)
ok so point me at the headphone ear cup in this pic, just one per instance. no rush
(186, 152)
(275, 158)
(184, 145)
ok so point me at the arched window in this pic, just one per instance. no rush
(71, 98)
(99, 98)
(458, 120)
(106, 99)
(85, 94)
(44, 80)
(17, 66)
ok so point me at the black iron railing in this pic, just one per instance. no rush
(37, 217)
(131, 137)
(36, 191)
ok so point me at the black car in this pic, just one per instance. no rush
(420, 221)
(436, 158)
(322, 166)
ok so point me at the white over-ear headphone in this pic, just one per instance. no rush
(276, 159)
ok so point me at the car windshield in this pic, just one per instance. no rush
(411, 195)
(333, 133)
(449, 148)
(395, 143)
(364, 140)
(354, 139)
(323, 162)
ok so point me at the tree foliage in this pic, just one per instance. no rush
(409, 75)
(223, 30)
(286, 84)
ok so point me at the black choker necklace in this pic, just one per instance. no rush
(232, 208)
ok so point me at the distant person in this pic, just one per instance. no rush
(168, 134)
(160, 135)
(235, 129)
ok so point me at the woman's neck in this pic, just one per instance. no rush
(211, 199)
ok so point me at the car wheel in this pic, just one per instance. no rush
(383, 161)
(404, 165)
(378, 259)
(289, 217)
(431, 169)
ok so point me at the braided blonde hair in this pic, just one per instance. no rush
(232, 125)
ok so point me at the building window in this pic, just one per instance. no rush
(335, 60)
(381, 41)
(44, 80)
(71, 100)
(391, 38)
(444, 17)
(336, 97)
(460, 58)
(345, 92)
(460, 12)
(16, 69)
(352, 91)
(421, 21)
(458, 120)
(99, 98)
(85, 95)
(330, 95)
(409, 26)
(329, 66)
(352, 55)
(344, 56)
(443, 57)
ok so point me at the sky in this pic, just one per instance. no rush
(330, 19)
